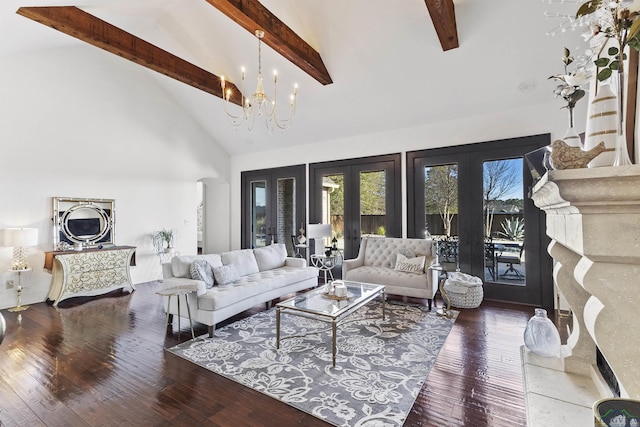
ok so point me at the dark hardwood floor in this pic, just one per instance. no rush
(101, 362)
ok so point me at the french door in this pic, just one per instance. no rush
(273, 206)
(357, 197)
(472, 199)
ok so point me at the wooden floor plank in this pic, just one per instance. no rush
(102, 361)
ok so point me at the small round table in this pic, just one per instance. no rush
(177, 291)
(324, 263)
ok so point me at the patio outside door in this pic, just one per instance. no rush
(473, 200)
(272, 206)
(358, 198)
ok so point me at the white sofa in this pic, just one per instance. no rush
(376, 264)
(264, 274)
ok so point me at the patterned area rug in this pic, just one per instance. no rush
(380, 366)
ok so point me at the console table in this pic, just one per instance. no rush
(88, 272)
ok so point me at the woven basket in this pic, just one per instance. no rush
(472, 299)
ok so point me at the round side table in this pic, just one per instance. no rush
(324, 263)
(177, 291)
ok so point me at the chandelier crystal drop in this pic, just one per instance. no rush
(259, 104)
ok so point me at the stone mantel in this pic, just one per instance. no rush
(593, 219)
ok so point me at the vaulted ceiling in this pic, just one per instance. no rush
(363, 66)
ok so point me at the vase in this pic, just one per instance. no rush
(602, 125)
(571, 137)
(621, 157)
(622, 152)
(541, 335)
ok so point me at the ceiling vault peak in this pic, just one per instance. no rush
(252, 16)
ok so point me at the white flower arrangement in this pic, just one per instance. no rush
(572, 85)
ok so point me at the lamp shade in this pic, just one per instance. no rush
(20, 237)
(318, 230)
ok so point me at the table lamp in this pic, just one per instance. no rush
(319, 232)
(20, 239)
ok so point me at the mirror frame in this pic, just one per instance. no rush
(65, 207)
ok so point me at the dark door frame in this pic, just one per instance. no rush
(349, 167)
(271, 176)
(470, 159)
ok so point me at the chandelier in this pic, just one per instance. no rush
(259, 104)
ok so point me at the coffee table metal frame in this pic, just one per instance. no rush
(313, 305)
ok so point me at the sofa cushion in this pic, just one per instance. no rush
(270, 257)
(253, 284)
(407, 252)
(410, 265)
(225, 275)
(388, 277)
(181, 264)
(243, 260)
(202, 270)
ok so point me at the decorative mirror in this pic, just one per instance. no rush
(90, 222)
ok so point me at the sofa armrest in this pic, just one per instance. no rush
(295, 262)
(167, 272)
(350, 264)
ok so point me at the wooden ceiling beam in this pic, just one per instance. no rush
(90, 29)
(443, 16)
(252, 16)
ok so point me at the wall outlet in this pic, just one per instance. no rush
(9, 284)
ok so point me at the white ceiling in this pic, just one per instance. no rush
(387, 65)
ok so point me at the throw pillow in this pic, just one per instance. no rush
(202, 270)
(409, 253)
(242, 259)
(270, 257)
(225, 275)
(410, 265)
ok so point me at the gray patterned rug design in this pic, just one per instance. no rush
(380, 366)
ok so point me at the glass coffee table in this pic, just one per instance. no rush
(325, 308)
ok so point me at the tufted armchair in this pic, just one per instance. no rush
(376, 264)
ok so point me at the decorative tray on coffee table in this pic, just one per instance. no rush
(335, 297)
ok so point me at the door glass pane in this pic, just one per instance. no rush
(286, 220)
(333, 207)
(373, 206)
(258, 214)
(503, 210)
(441, 211)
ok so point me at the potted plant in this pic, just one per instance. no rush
(160, 238)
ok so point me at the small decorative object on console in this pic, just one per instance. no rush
(541, 335)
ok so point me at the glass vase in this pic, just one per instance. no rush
(571, 137)
(621, 157)
(541, 335)
(622, 152)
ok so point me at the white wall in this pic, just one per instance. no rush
(79, 122)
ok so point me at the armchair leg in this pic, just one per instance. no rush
(211, 329)
(429, 303)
